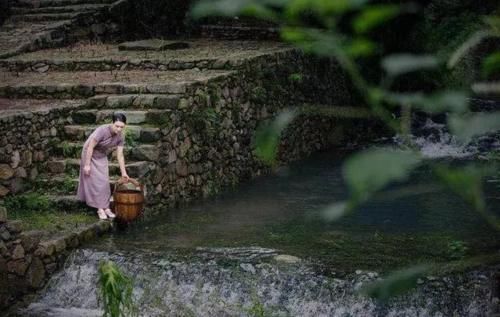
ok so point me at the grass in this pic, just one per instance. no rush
(51, 221)
(37, 212)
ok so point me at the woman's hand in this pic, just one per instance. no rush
(86, 170)
(125, 176)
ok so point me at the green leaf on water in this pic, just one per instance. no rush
(491, 64)
(268, 136)
(373, 16)
(396, 283)
(467, 126)
(453, 101)
(372, 170)
(399, 64)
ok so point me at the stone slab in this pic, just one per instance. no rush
(152, 45)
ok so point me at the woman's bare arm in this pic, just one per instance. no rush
(89, 151)
(121, 161)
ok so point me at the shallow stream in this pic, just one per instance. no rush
(263, 249)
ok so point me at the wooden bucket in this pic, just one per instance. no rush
(128, 203)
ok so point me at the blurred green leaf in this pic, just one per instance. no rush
(257, 8)
(491, 64)
(466, 182)
(313, 40)
(493, 22)
(373, 16)
(396, 283)
(466, 46)
(268, 136)
(371, 170)
(336, 211)
(467, 126)
(360, 47)
(296, 8)
(454, 101)
(399, 64)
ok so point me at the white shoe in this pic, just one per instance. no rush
(102, 214)
(109, 213)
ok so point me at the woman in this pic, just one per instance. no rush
(93, 187)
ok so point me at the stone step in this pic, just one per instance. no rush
(139, 152)
(58, 3)
(68, 85)
(46, 17)
(64, 184)
(136, 169)
(94, 116)
(137, 133)
(63, 9)
(69, 203)
(134, 101)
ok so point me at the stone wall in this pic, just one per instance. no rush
(25, 144)
(27, 259)
(208, 140)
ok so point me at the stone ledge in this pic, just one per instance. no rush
(28, 260)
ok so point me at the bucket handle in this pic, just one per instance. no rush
(123, 181)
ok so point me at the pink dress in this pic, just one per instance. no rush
(94, 188)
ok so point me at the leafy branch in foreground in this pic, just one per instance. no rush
(115, 291)
(372, 170)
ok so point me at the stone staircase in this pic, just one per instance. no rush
(50, 23)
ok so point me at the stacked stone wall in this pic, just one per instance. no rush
(25, 144)
(27, 259)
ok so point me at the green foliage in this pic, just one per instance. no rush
(373, 16)
(257, 309)
(457, 249)
(267, 137)
(467, 182)
(33, 202)
(396, 283)
(115, 290)
(399, 64)
(296, 77)
(454, 101)
(491, 64)
(372, 170)
(469, 125)
(129, 138)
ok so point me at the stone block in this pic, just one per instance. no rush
(60, 245)
(3, 191)
(14, 227)
(6, 172)
(56, 167)
(3, 214)
(15, 159)
(18, 267)
(5, 234)
(150, 134)
(30, 239)
(18, 252)
(17, 185)
(146, 153)
(152, 45)
(35, 274)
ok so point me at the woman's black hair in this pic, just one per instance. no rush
(117, 116)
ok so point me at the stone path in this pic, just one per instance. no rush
(44, 23)
(132, 82)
